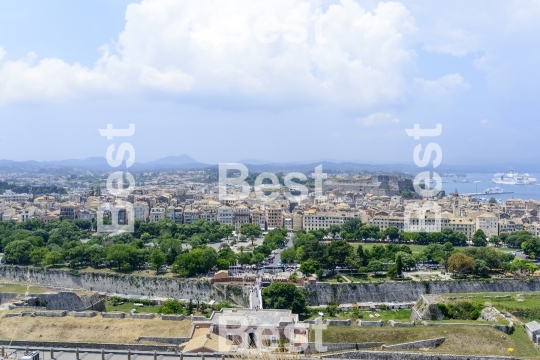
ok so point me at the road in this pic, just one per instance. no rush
(277, 260)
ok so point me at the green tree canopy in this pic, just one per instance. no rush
(281, 295)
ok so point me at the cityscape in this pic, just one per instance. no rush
(269, 180)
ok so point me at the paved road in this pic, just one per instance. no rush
(277, 260)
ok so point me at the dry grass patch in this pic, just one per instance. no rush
(459, 339)
(91, 330)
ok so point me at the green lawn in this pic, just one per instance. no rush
(459, 339)
(127, 307)
(530, 304)
(385, 315)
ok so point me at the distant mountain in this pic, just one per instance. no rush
(184, 162)
(174, 160)
(100, 164)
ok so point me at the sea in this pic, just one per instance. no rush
(479, 182)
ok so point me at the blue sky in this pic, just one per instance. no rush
(281, 81)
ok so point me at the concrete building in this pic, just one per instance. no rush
(488, 223)
(240, 216)
(315, 220)
(87, 214)
(190, 215)
(69, 210)
(9, 196)
(225, 215)
(140, 211)
(157, 214)
(274, 216)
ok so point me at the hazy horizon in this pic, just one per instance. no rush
(240, 81)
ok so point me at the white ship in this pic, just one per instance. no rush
(512, 178)
(493, 190)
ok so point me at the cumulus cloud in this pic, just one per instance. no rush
(283, 51)
(378, 118)
(443, 87)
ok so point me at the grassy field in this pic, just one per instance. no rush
(92, 330)
(21, 289)
(127, 307)
(397, 315)
(459, 339)
(515, 303)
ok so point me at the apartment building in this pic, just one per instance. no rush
(258, 218)
(315, 220)
(9, 197)
(510, 225)
(27, 214)
(488, 223)
(464, 225)
(87, 214)
(190, 215)
(240, 216)
(225, 215)
(274, 216)
(298, 220)
(140, 211)
(157, 214)
(69, 210)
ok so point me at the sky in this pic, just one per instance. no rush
(281, 81)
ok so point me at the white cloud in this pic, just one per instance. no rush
(378, 118)
(443, 87)
(2, 53)
(209, 48)
(484, 122)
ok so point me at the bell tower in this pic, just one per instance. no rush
(455, 204)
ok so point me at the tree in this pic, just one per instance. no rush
(119, 253)
(172, 306)
(52, 258)
(197, 261)
(531, 246)
(250, 230)
(288, 255)
(17, 252)
(392, 271)
(392, 233)
(157, 259)
(495, 240)
(281, 295)
(480, 268)
(310, 267)
(479, 238)
(361, 255)
(399, 265)
(375, 266)
(338, 251)
(460, 263)
(492, 200)
(37, 255)
(95, 254)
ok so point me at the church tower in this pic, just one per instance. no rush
(455, 204)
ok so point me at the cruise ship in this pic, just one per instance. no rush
(512, 178)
